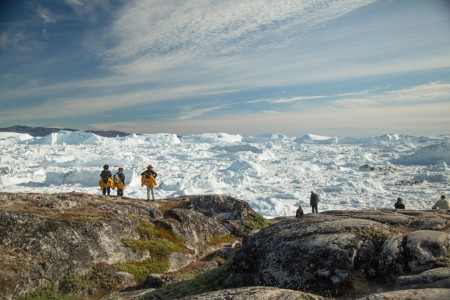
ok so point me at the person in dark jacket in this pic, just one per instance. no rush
(105, 182)
(299, 212)
(314, 201)
(399, 204)
(119, 181)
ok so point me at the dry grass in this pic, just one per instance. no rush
(168, 205)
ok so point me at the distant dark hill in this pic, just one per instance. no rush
(43, 131)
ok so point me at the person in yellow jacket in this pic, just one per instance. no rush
(148, 179)
(119, 181)
(106, 182)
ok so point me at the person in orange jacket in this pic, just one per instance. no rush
(106, 182)
(119, 181)
(148, 179)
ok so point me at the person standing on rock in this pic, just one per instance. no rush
(314, 201)
(442, 204)
(399, 204)
(119, 181)
(106, 182)
(148, 179)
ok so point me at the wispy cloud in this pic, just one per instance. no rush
(15, 41)
(45, 15)
(192, 113)
(295, 99)
(347, 114)
(430, 92)
(419, 119)
(418, 94)
(424, 92)
(152, 34)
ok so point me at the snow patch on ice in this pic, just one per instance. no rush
(212, 137)
(429, 155)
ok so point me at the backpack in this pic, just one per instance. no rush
(105, 176)
(117, 178)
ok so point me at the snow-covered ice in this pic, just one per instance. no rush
(274, 173)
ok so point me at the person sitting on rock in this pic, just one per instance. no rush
(299, 212)
(399, 204)
(148, 179)
(442, 204)
(106, 182)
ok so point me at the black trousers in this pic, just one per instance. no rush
(314, 208)
(106, 191)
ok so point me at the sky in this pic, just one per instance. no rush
(327, 67)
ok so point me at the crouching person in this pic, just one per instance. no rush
(299, 212)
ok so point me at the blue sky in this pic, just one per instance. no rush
(328, 67)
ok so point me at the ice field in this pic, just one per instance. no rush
(274, 173)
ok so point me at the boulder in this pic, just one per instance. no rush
(156, 281)
(124, 280)
(195, 228)
(409, 219)
(236, 215)
(65, 245)
(316, 253)
(392, 255)
(220, 207)
(426, 249)
(416, 294)
(338, 252)
(255, 292)
(434, 278)
(55, 238)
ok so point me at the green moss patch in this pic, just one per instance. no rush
(218, 240)
(48, 293)
(94, 284)
(156, 239)
(141, 269)
(257, 222)
(209, 281)
(159, 242)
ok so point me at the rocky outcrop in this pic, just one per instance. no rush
(52, 238)
(237, 216)
(91, 246)
(255, 292)
(425, 294)
(220, 207)
(270, 293)
(433, 278)
(195, 228)
(336, 253)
